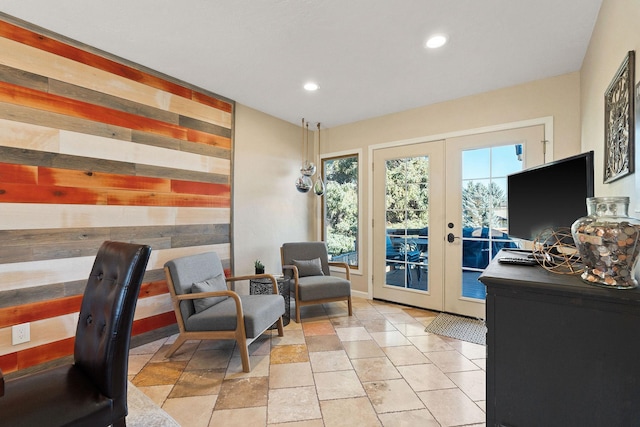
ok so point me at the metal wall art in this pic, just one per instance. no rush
(619, 128)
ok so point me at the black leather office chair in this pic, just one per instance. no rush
(93, 390)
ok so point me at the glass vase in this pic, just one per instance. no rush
(607, 240)
(303, 184)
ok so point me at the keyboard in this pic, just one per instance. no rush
(518, 261)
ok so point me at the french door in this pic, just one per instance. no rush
(440, 215)
(408, 225)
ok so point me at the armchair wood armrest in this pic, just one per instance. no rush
(295, 276)
(198, 295)
(347, 270)
(294, 269)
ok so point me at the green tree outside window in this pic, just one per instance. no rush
(341, 208)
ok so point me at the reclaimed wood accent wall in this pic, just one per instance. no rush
(94, 149)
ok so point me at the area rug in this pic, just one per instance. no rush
(143, 412)
(459, 327)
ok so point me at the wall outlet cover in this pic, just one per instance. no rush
(20, 333)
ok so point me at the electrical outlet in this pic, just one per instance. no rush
(21, 333)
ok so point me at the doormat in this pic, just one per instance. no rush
(459, 327)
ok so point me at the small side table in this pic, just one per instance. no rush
(263, 286)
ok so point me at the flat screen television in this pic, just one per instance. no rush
(552, 195)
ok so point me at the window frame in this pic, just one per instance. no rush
(357, 268)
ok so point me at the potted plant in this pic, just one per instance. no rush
(259, 267)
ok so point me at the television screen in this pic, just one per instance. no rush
(552, 195)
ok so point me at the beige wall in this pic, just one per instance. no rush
(617, 31)
(267, 208)
(557, 97)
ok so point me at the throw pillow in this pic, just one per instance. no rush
(214, 284)
(311, 267)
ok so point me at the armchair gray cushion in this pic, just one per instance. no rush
(217, 283)
(311, 267)
(258, 315)
(322, 287)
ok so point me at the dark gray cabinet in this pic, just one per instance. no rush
(560, 352)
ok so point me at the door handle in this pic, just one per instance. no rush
(451, 237)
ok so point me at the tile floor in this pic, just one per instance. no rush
(376, 368)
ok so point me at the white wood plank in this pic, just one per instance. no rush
(203, 216)
(153, 306)
(42, 332)
(41, 138)
(22, 275)
(98, 147)
(28, 136)
(160, 257)
(18, 216)
(185, 107)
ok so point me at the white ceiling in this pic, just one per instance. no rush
(366, 55)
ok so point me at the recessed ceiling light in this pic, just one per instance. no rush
(437, 41)
(311, 86)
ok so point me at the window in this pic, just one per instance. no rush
(340, 208)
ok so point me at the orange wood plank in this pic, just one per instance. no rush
(89, 179)
(58, 104)
(208, 138)
(212, 102)
(153, 322)
(45, 353)
(27, 97)
(10, 316)
(9, 362)
(18, 174)
(143, 198)
(151, 289)
(192, 187)
(24, 193)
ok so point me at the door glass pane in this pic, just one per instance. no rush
(484, 210)
(407, 222)
(476, 164)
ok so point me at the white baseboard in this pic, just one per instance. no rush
(360, 294)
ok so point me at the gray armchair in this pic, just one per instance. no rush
(206, 309)
(306, 266)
